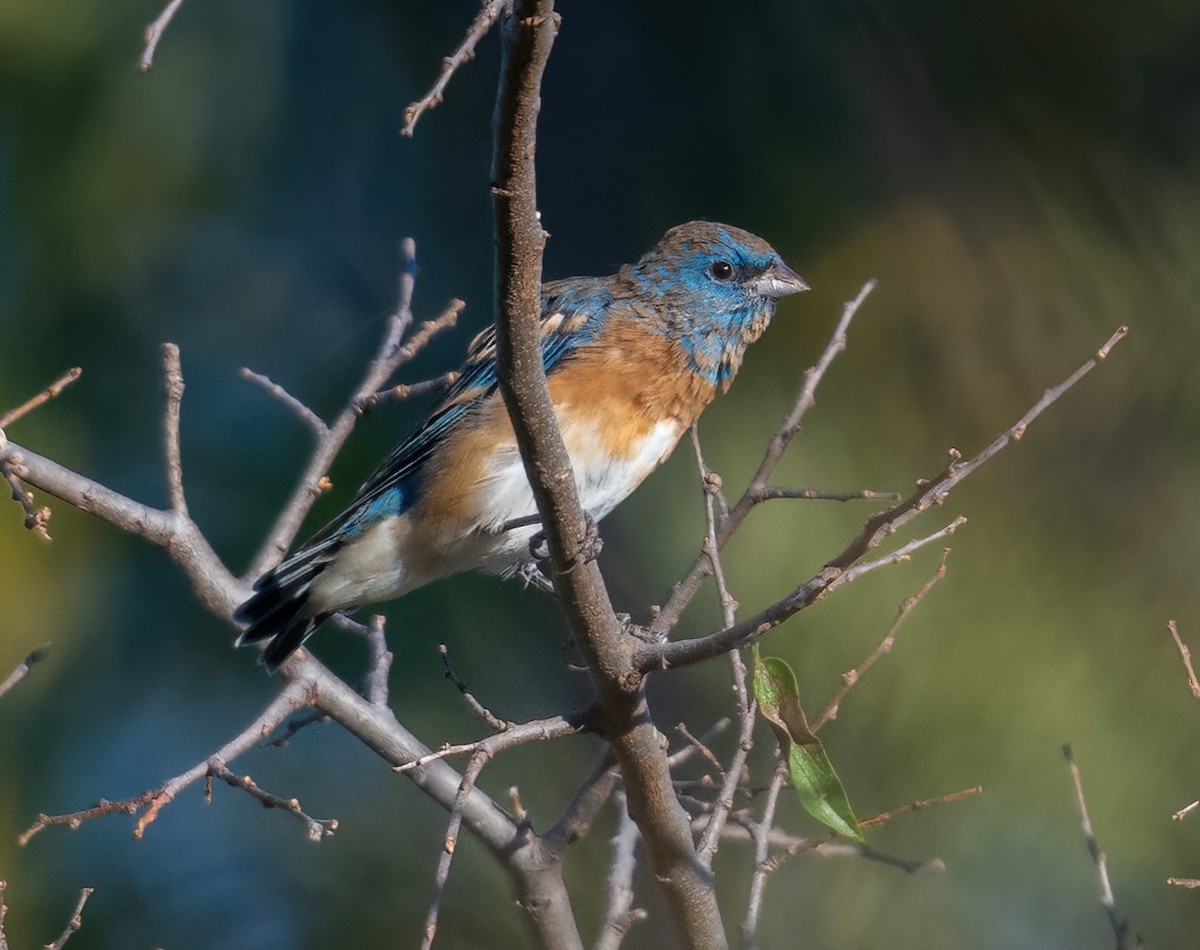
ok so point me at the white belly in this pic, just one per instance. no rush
(392, 558)
(602, 482)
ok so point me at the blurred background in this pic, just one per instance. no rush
(1021, 177)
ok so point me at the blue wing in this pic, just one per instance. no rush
(574, 311)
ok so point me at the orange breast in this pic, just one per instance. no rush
(629, 381)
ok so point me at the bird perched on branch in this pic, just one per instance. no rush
(631, 361)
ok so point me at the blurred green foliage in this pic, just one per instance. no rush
(1022, 178)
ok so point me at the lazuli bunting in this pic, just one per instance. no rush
(631, 361)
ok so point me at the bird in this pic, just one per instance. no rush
(631, 360)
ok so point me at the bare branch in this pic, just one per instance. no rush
(528, 34)
(589, 798)
(213, 584)
(850, 678)
(154, 33)
(773, 492)
(480, 710)
(761, 834)
(668, 655)
(700, 747)
(406, 390)
(1120, 928)
(885, 817)
(1185, 811)
(1186, 655)
(515, 734)
(3, 914)
(306, 415)
(710, 840)
(45, 395)
(464, 54)
(619, 913)
(450, 842)
(294, 725)
(677, 759)
(1188, 882)
(318, 828)
(36, 518)
(23, 668)
(173, 384)
(291, 698)
(381, 662)
(74, 923)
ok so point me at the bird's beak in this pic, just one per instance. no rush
(779, 280)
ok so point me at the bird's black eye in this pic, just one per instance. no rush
(721, 270)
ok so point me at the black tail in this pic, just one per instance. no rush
(278, 613)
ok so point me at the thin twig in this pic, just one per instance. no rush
(740, 828)
(710, 840)
(381, 662)
(306, 415)
(294, 725)
(154, 33)
(703, 749)
(517, 733)
(74, 923)
(1120, 928)
(1188, 882)
(885, 817)
(761, 833)
(778, 859)
(772, 492)
(3, 914)
(407, 390)
(1186, 655)
(23, 668)
(480, 710)
(850, 678)
(577, 817)
(318, 828)
(173, 385)
(36, 518)
(677, 759)
(619, 913)
(464, 54)
(45, 395)
(1185, 811)
(450, 842)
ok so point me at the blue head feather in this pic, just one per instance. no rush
(713, 288)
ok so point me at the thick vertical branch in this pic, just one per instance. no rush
(528, 34)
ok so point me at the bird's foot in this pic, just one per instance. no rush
(532, 575)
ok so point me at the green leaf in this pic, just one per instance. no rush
(812, 774)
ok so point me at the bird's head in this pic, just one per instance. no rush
(713, 288)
